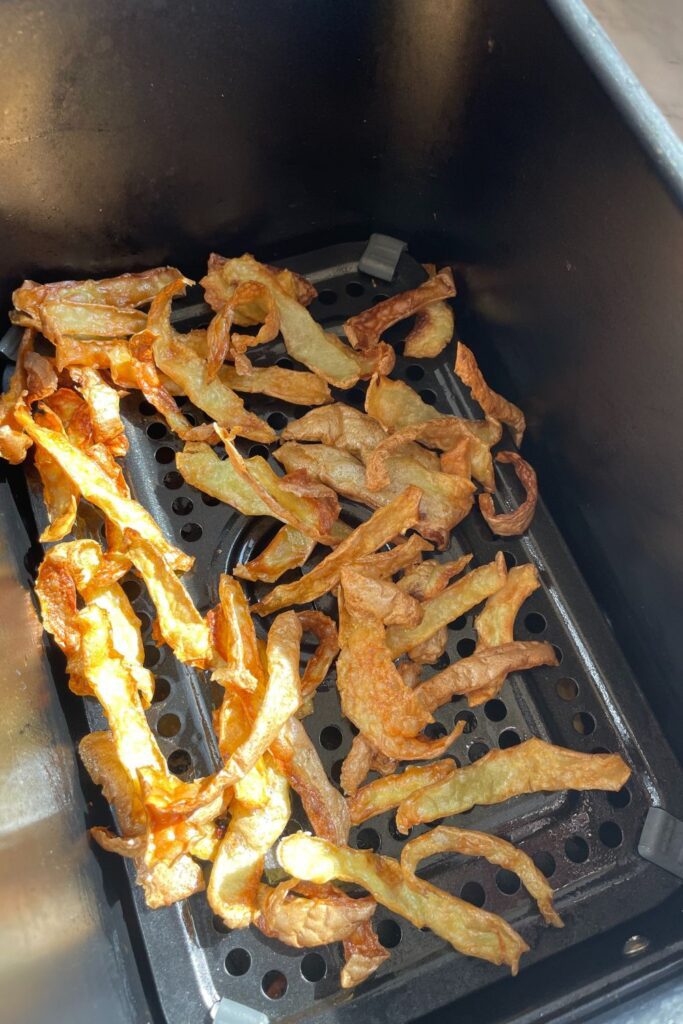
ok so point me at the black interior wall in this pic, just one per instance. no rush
(139, 133)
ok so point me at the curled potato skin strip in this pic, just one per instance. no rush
(314, 919)
(470, 930)
(379, 598)
(444, 839)
(386, 523)
(288, 549)
(364, 330)
(510, 524)
(491, 402)
(383, 794)
(533, 767)
(484, 669)
(433, 329)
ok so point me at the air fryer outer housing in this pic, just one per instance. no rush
(482, 133)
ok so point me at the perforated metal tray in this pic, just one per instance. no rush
(584, 843)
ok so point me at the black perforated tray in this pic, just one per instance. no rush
(585, 843)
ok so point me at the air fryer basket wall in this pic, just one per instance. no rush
(139, 134)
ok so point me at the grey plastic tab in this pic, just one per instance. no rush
(381, 257)
(661, 841)
(230, 1012)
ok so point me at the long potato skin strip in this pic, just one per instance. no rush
(533, 767)
(179, 362)
(236, 873)
(383, 564)
(96, 487)
(433, 328)
(312, 513)
(145, 377)
(356, 764)
(484, 669)
(305, 921)
(397, 517)
(363, 953)
(234, 637)
(445, 839)
(320, 662)
(288, 549)
(59, 494)
(199, 466)
(125, 290)
(324, 805)
(295, 386)
(364, 330)
(381, 598)
(281, 700)
(179, 623)
(510, 524)
(455, 600)
(470, 930)
(103, 402)
(88, 320)
(218, 290)
(491, 402)
(305, 340)
(495, 623)
(383, 794)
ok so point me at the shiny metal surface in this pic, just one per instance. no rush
(64, 951)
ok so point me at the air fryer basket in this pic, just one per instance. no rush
(585, 843)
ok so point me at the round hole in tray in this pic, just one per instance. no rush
(179, 762)
(535, 622)
(583, 723)
(274, 984)
(173, 480)
(465, 646)
(292, 827)
(428, 396)
(394, 832)
(209, 500)
(146, 409)
(277, 420)
(152, 655)
(495, 710)
(510, 559)
(219, 925)
(469, 718)
(576, 849)
(509, 738)
(162, 688)
(285, 362)
(473, 893)
(335, 771)
(458, 624)
(354, 289)
(507, 881)
(132, 589)
(331, 737)
(567, 689)
(368, 839)
(435, 730)
(610, 834)
(144, 620)
(260, 449)
(164, 455)
(379, 297)
(545, 862)
(191, 532)
(389, 933)
(238, 962)
(477, 751)
(313, 967)
(156, 431)
(168, 725)
(620, 799)
(191, 419)
(327, 297)
(182, 506)
(558, 653)
(442, 662)
(415, 372)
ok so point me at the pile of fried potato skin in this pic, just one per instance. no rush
(87, 343)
